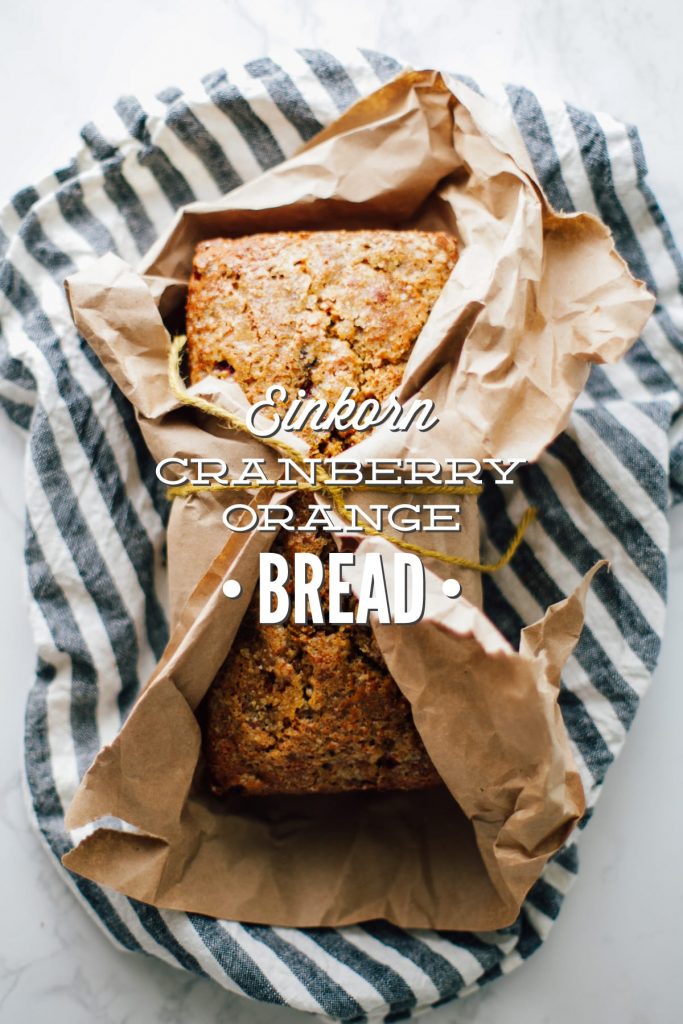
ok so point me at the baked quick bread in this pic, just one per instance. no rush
(302, 709)
(314, 310)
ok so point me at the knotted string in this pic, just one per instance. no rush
(333, 491)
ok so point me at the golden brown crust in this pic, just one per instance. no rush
(310, 708)
(303, 709)
(317, 311)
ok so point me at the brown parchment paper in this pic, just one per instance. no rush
(534, 298)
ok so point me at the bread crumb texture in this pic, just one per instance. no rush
(316, 311)
(302, 708)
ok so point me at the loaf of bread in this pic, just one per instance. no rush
(303, 708)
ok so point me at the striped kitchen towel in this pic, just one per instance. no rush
(96, 515)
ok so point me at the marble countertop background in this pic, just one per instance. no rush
(613, 957)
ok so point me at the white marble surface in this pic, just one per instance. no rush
(614, 955)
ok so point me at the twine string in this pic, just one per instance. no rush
(334, 492)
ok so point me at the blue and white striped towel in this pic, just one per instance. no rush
(96, 515)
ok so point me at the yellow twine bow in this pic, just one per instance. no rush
(333, 491)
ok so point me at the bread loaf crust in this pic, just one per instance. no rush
(301, 709)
